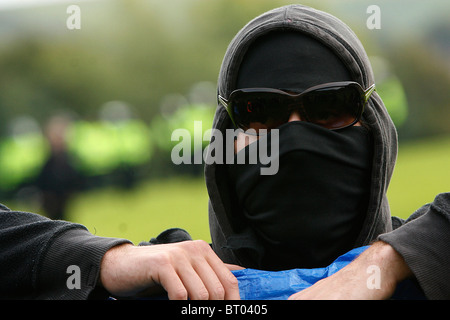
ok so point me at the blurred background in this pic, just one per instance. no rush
(86, 115)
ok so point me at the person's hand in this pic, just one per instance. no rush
(351, 282)
(188, 269)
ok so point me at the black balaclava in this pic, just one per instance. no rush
(312, 209)
(289, 60)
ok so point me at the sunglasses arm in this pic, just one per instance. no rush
(369, 92)
(224, 103)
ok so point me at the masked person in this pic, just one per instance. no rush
(303, 73)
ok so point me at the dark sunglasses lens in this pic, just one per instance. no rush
(258, 110)
(330, 107)
(334, 107)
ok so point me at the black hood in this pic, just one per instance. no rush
(342, 41)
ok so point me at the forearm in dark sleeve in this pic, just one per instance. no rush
(70, 267)
(36, 252)
(424, 243)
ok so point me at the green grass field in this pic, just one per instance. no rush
(145, 211)
(422, 171)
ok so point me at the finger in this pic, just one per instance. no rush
(233, 267)
(171, 282)
(194, 284)
(210, 279)
(226, 278)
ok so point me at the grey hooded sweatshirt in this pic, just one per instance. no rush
(422, 240)
(226, 228)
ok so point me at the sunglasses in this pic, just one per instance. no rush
(334, 105)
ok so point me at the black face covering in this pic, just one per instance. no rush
(312, 210)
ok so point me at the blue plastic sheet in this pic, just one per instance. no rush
(280, 285)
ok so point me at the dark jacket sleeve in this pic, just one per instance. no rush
(36, 254)
(424, 242)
